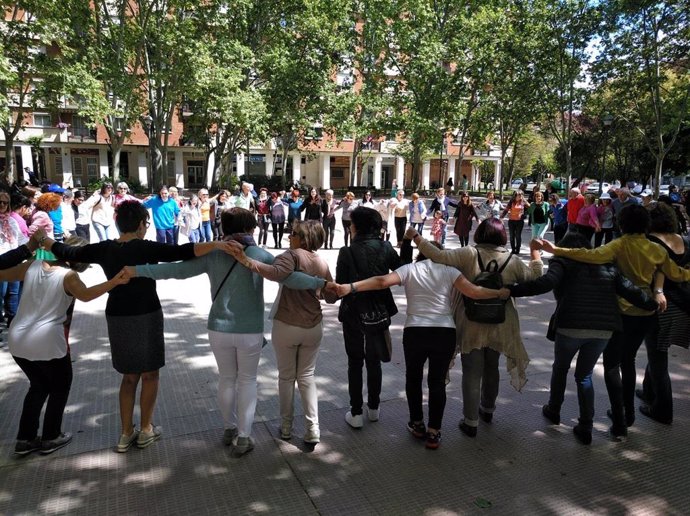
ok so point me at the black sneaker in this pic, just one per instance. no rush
(640, 394)
(646, 410)
(52, 445)
(618, 434)
(583, 435)
(551, 415)
(469, 431)
(487, 417)
(25, 447)
(433, 441)
(629, 421)
(418, 430)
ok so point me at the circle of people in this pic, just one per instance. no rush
(631, 288)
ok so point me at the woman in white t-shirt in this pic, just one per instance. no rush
(38, 344)
(429, 332)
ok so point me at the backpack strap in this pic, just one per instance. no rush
(492, 266)
(500, 270)
(479, 261)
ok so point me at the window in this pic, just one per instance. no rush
(195, 173)
(42, 120)
(77, 166)
(79, 127)
(171, 180)
(119, 123)
(314, 133)
(58, 165)
(92, 168)
(337, 173)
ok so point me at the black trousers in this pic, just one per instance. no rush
(278, 229)
(515, 231)
(346, 231)
(361, 351)
(329, 229)
(48, 380)
(437, 345)
(619, 365)
(84, 231)
(400, 223)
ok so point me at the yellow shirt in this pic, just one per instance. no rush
(636, 257)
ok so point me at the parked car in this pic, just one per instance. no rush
(594, 188)
(516, 183)
(664, 189)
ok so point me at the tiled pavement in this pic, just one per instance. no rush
(518, 464)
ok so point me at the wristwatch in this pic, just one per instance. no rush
(658, 290)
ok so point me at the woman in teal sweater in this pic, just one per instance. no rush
(165, 210)
(235, 321)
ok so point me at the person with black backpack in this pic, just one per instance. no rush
(479, 340)
(429, 334)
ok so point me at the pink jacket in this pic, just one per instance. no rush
(41, 220)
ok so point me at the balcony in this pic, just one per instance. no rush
(389, 147)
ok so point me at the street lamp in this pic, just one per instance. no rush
(607, 120)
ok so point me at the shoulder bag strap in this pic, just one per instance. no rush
(223, 282)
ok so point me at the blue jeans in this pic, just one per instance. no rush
(419, 226)
(11, 300)
(205, 233)
(103, 232)
(194, 235)
(588, 352)
(164, 236)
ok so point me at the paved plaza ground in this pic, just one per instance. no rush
(517, 465)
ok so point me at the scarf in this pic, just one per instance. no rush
(6, 228)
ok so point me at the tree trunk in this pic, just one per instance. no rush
(10, 165)
(356, 147)
(116, 150)
(416, 160)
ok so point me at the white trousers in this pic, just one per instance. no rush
(296, 352)
(237, 356)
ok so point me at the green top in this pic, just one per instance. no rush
(239, 305)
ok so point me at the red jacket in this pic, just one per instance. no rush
(574, 207)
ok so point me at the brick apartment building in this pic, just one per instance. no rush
(73, 154)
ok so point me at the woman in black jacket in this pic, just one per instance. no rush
(313, 207)
(367, 256)
(585, 318)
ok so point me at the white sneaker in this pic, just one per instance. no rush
(313, 436)
(373, 414)
(354, 421)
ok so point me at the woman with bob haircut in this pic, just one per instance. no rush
(638, 259)
(297, 324)
(235, 321)
(133, 313)
(481, 345)
(38, 343)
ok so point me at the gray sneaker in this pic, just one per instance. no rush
(229, 435)
(243, 445)
(147, 438)
(126, 441)
(23, 447)
(55, 444)
(286, 429)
